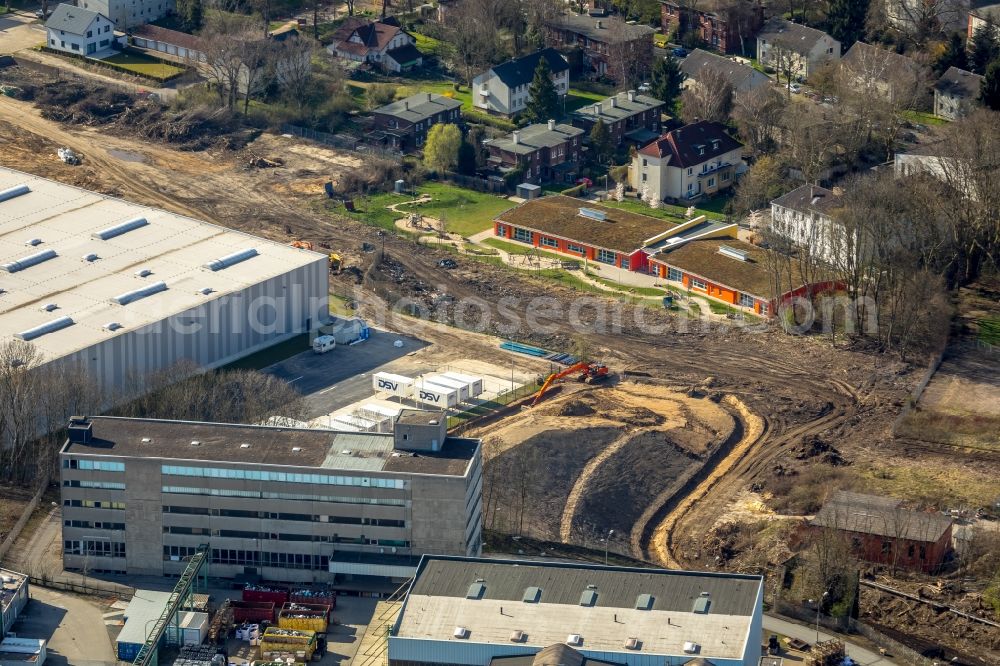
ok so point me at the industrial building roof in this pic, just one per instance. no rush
(559, 654)
(226, 443)
(74, 261)
(880, 516)
(605, 606)
(145, 607)
(559, 215)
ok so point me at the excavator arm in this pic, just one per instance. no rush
(578, 367)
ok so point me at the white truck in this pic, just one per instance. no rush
(324, 343)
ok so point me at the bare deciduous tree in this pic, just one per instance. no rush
(710, 98)
(757, 114)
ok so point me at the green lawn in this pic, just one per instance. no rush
(432, 47)
(465, 212)
(580, 98)
(515, 248)
(143, 65)
(923, 118)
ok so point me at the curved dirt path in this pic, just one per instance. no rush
(582, 481)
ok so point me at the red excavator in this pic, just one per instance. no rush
(586, 372)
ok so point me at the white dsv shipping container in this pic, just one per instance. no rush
(441, 380)
(436, 395)
(398, 385)
(475, 383)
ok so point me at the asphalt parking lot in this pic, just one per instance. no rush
(73, 626)
(342, 375)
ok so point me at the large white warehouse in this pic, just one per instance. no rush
(124, 290)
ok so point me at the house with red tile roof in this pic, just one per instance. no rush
(384, 43)
(688, 163)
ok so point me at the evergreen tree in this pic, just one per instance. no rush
(191, 14)
(845, 20)
(467, 159)
(600, 141)
(985, 48)
(954, 55)
(666, 80)
(543, 102)
(989, 95)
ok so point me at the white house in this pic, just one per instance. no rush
(130, 13)
(504, 89)
(804, 217)
(384, 43)
(80, 31)
(785, 45)
(694, 160)
(956, 93)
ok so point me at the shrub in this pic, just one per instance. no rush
(490, 121)
(380, 94)
(574, 191)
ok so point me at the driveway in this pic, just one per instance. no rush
(19, 32)
(74, 628)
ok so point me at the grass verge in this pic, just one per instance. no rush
(143, 65)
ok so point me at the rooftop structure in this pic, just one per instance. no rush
(533, 137)
(83, 272)
(22, 651)
(421, 106)
(744, 267)
(457, 607)
(619, 106)
(13, 598)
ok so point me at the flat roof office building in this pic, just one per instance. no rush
(472, 611)
(139, 496)
(124, 290)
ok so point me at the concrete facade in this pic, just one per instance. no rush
(130, 13)
(355, 504)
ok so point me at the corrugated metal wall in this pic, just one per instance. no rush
(218, 332)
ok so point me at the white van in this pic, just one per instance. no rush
(324, 343)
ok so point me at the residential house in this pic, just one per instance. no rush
(701, 255)
(504, 89)
(726, 27)
(127, 14)
(406, 122)
(742, 78)
(169, 42)
(982, 14)
(878, 73)
(690, 162)
(603, 47)
(883, 530)
(804, 216)
(627, 115)
(79, 31)
(792, 47)
(956, 93)
(545, 151)
(383, 43)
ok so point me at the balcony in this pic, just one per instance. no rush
(716, 170)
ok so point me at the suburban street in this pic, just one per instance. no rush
(19, 31)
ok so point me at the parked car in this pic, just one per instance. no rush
(42, 14)
(794, 87)
(679, 52)
(645, 87)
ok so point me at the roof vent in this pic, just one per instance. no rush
(111, 326)
(532, 595)
(244, 445)
(733, 253)
(574, 639)
(633, 644)
(120, 229)
(475, 591)
(205, 291)
(296, 449)
(518, 636)
(145, 440)
(34, 241)
(30, 260)
(195, 442)
(90, 257)
(588, 598)
(11, 192)
(461, 632)
(644, 602)
(593, 214)
(231, 259)
(143, 272)
(48, 327)
(49, 307)
(691, 648)
(345, 452)
(137, 294)
(702, 604)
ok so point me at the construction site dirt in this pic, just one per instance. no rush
(762, 394)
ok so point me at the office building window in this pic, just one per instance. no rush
(675, 275)
(282, 477)
(548, 242)
(98, 465)
(524, 235)
(606, 256)
(697, 284)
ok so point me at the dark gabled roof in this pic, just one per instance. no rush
(959, 83)
(562, 582)
(373, 34)
(74, 20)
(405, 54)
(794, 36)
(617, 107)
(521, 71)
(421, 106)
(738, 75)
(536, 136)
(612, 29)
(810, 198)
(682, 144)
(880, 516)
(856, 54)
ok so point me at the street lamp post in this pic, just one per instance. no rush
(819, 606)
(607, 542)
